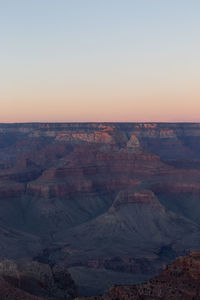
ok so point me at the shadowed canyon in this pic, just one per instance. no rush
(179, 280)
(97, 204)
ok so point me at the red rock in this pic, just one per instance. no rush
(137, 196)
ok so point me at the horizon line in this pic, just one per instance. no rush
(99, 122)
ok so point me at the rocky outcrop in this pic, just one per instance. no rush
(136, 196)
(180, 280)
(33, 280)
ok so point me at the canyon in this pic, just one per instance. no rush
(109, 202)
(179, 280)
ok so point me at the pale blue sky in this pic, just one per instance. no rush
(99, 60)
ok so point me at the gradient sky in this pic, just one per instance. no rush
(99, 60)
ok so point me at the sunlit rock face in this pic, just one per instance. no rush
(180, 280)
(100, 197)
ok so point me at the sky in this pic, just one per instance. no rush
(99, 60)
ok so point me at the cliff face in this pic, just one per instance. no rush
(32, 280)
(123, 197)
(180, 280)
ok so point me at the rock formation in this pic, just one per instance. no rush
(33, 280)
(121, 198)
(180, 280)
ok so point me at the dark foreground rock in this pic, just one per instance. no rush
(180, 280)
(33, 280)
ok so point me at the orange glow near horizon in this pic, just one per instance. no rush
(114, 104)
(114, 62)
(119, 109)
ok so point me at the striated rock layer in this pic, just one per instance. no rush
(122, 198)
